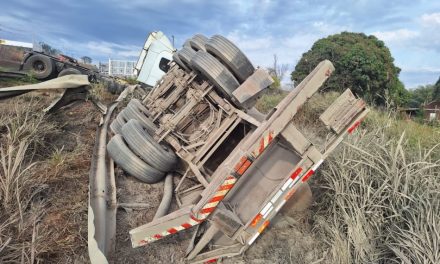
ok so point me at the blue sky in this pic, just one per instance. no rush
(117, 29)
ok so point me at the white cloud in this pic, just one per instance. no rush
(431, 19)
(328, 28)
(396, 36)
(100, 49)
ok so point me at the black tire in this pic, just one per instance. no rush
(216, 72)
(197, 42)
(111, 87)
(231, 56)
(185, 55)
(120, 87)
(143, 144)
(132, 164)
(131, 112)
(179, 62)
(138, 105)
(117, 124)
(69, 71)
(186, 44)
(40, 66)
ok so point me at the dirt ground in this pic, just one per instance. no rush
(66, 160)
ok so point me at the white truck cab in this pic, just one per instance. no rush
(154, 58)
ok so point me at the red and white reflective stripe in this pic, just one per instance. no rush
(312, 170)
(221, 192)
(354, 126)
(262, 214)
(292, 180)
(260, 230)
(201, 216)
(264, 142)
(270, 206)
(187, 224)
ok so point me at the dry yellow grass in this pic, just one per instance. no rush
(43, 181)
(379, 196)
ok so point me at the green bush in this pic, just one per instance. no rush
(363, 63)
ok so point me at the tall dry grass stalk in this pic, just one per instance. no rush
(380, 195)
(20, 207)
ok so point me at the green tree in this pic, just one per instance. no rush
(363, 63)
(421, 95)
(277, 72)
(436, 91)
(48, 49)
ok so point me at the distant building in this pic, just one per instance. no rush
(120, 68)
(432, 111)
(103, 68)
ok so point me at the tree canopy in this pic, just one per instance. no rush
(48, 49)
(424, 94)
(363, 63)
(421, 95)
(436, 92)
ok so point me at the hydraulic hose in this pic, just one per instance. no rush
(164, 205)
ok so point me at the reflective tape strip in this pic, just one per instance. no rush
(266, 208)
(296, 173)
(263, 226)
(276, 196)
(268, 212)
(312, 170)
(354, 126)
(263, 214)
(280, 205)
(222, 192)
(241, 167)
(253, 238)
(256, 219)
(289, 194)
(315, 167)
(264, 142)
(190, 223)
(260, 230)
(286, 184)
(229, 181)
(294, 182)
(219, 195)
(201, 216)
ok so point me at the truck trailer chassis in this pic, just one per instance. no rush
(239, 167)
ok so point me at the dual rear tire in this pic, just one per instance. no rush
(134, 148)
(218, 60)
